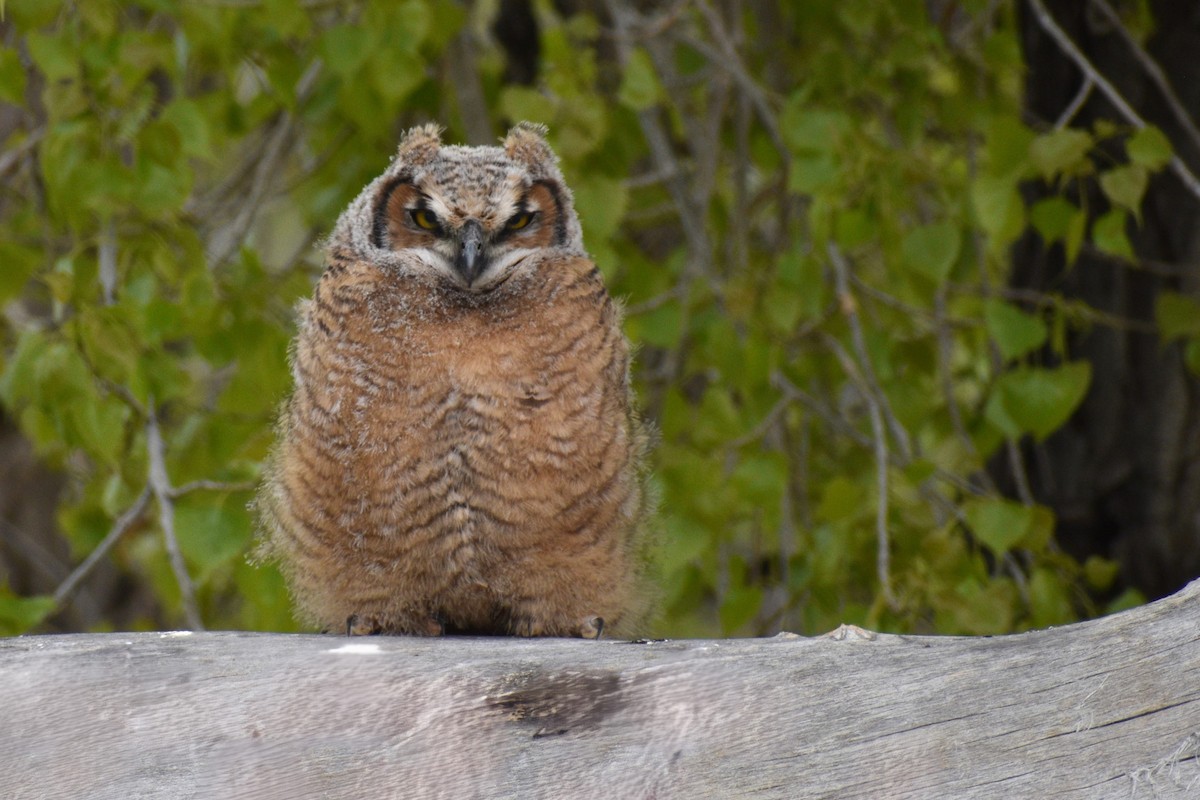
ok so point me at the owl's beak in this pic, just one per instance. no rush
(470, 261)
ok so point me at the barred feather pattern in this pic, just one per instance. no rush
(459, 463)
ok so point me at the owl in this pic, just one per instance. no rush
(461, 452)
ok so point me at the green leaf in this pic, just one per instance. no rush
(1177, 315)
(525, 103)
(19, 614)
(345, 48)
(18, 383)
(660, 326)
(1191, 356)
(761, 479)
(1125, 186)
(1130, 598)
(932, 249)
(1076, 230)
(1008, 142)
(1037, 400)
(192, 127)
(808, 130)
(783, 309)
(842, 499)
(1015, 332)
(1049, 600)
(53, 55)
(999, 209)
(1000, 524)
(640, 88)
(1052, 217)
(854, 227)
(979, 610)
(1100, 572)
(12, 77)
(212, 534)
(1149, 147)
(740, 606)
(680, 547)
(1108, 233)
(601, 203)
(416, 20)
(810, 174)
(1062, 150)
(17, 264)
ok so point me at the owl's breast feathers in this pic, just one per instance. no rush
(458, 456)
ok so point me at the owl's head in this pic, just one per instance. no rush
(469, 215)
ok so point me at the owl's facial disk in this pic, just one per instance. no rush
(472, 242)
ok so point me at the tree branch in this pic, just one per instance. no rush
(1102, 710)
(266, 169)
(120, 526)
(160, 484)
(1044, 18)
(1155, 72)
(841, 271)
(880, 448)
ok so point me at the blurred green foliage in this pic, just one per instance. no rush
(808, 208)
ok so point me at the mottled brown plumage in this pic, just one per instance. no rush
(461, 452)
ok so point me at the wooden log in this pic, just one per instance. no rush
(1108, 708)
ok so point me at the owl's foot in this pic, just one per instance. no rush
(361, 626)
(369, 624)
(591, 627)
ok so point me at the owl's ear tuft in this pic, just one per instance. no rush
(526, 143)
(420, 144)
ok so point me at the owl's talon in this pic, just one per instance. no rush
(361, 626)
(591, 627)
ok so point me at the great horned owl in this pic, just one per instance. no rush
(461, 452)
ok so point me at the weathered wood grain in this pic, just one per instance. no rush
(1104, 709)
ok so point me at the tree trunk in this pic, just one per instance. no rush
(1124, 475)
(1108, 708)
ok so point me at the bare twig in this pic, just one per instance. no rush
(1068, 114)
(1077, 309)
(265, 170)
(945, 352)
(646, 179)
(731, 61)
(32, 550)
(732, 65)
(106, 258)
(160, 484)
(122, 524)
(908, 309)
(1190, 181)
(1155, 72)
(879, 440)
(211, 486)
(841, 271)
(764, 426)
(820, 408)
(844, 427)
(1017, 464)
(658, 301)
(663, 156)
(10, 158)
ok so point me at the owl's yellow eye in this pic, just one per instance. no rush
(425, 219)
(519, 221)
